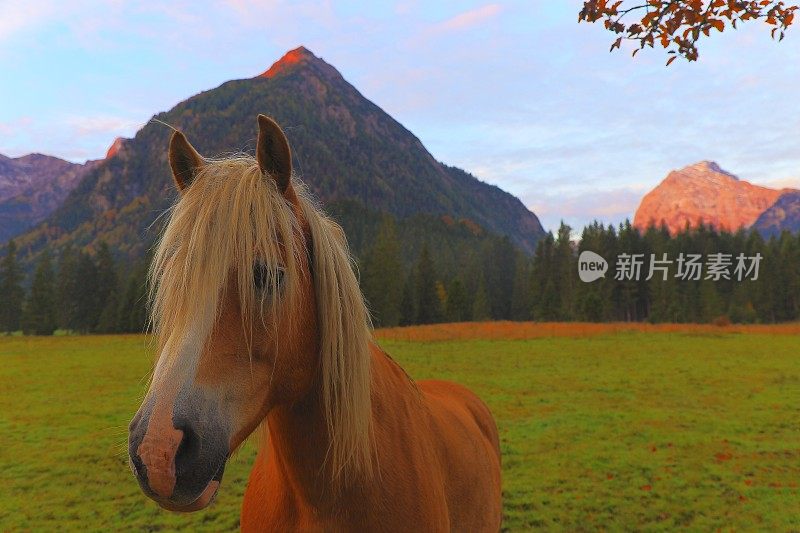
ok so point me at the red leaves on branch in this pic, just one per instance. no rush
(678, 25)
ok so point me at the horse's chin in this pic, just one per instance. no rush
(202, 501)
(205, 498)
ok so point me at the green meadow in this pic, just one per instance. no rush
(627, 430)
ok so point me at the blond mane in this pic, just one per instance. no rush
(230, 217)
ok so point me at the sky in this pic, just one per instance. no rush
(517, 93)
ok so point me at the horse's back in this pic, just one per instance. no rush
(469, 447)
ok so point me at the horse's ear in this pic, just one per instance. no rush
(273, 153)
(184, 160)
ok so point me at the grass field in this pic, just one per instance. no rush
(605, 427)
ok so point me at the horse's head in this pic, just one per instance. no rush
(234, 310)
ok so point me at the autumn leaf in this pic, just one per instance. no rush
(678, 25)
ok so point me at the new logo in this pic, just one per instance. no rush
(591, 266)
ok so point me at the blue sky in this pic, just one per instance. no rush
(518, 93)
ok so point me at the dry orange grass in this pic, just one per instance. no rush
(534, 330)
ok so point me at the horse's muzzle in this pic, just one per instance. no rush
(173, 464)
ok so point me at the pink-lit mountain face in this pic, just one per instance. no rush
(704, 192)
(291, 60)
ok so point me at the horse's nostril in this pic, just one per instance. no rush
(189, 447)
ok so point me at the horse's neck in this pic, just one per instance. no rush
(295, 451)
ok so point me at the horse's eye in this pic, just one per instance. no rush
(262, 279)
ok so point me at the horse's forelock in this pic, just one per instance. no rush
(232, 216)
(227, 220)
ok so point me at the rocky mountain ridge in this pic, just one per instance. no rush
(705, 192)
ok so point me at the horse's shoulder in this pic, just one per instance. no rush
(449, 391)
(456, 400)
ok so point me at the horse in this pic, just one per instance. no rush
(261, 328)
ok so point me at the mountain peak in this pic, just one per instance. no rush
(709, 166)
(353, 155)
(290, 61)
(115, 147)
(32, 187)
(704, 192)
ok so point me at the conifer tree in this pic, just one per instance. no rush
(382, 276)
(632, 292)
(108, 321)
(11, 292)
(67, 287)
(499, 267)
(39, 317)
(442, 296)
(546, 303)
(107, 289)
(408, 307)
(429, 309)
(132, 314)
(480, 307)
(565, 264)
(459, 308)
(85, 296)
(593, 301)
(521, 297)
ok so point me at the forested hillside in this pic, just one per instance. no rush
(345, 148)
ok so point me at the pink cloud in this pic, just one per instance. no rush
(468, 19)
(15, 125)
(19, 16)
(102, 124)
(577, 209)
